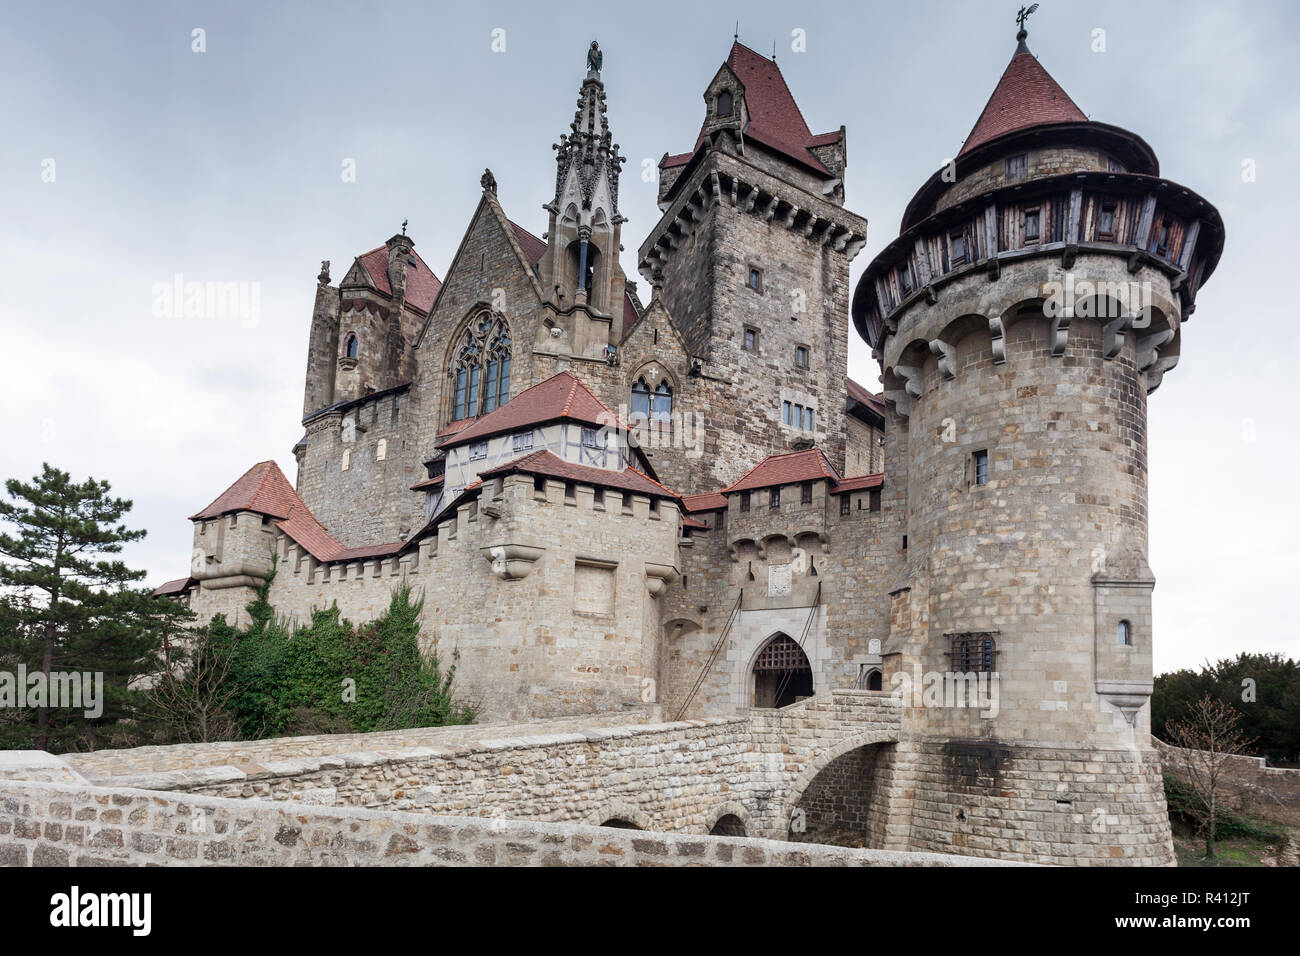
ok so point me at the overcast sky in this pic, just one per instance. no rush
(129, 158)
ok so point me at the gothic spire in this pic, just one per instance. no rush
(587, 159)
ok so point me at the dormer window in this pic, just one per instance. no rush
(724, 103)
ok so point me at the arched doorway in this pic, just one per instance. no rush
(728, 825)
(782, 674)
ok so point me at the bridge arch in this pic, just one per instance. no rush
(726, 816)
(818, 762)
(620, 814)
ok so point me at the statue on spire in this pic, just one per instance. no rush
(595, 59)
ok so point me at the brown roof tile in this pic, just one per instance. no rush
(858, 483)
(421, 284)
(546, 463)
(562, 396)
(1025, 96)
(792, 467)
(713, 501)
(533, 247)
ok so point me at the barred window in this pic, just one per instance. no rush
(973, 653)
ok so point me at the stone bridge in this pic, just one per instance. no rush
(819, 765)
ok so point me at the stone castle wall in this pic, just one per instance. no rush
(46, 824)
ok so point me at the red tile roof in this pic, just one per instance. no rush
(774, 117)
(795, 466)
(533, 247)
(562, 396)
(421, 284)
(452, 427)
(630, 315)
(713, 501)
(264, 490)
(428, 483)
(1025, 96)
(695, 524)
(546, 463)
(179, 586)
(863, 396)
(858, 484)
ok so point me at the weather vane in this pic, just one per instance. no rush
(1022, 16)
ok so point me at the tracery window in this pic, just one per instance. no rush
(657, 404)
(480, 368)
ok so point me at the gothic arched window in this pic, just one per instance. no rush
(350, 345)
(480, 369)
(657, 404)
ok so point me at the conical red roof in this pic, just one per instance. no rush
(1025, 96)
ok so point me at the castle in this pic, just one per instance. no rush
(685, 505)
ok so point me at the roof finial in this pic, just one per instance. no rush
(774, 51)
(1022, 34)
(404, 221)
(736, 35)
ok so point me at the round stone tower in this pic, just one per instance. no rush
(1033, 300)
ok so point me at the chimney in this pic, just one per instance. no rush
(399, 258)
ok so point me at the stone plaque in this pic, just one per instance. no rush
(780, 580)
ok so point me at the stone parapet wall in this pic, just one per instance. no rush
(101, 764)
(1252, 776)
(45, 824)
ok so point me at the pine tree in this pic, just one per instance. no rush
(68, 605)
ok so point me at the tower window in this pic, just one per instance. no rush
(350, 345)
(1125, 634)
(873, 498)
(846, 504)
(744, 501)
(973, 653)
(478, 451)
(1160, 238)
(801, 356)
(905, 279)
(805, 493)
(1114, 165)
(751, 339)
(774, 498)
(589, 438)
(1017, 166)
(522, 442)
(980, 467)
(1032, 225)
(957, 243)
(755, 279)
(1106, 221)
(724, 103)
